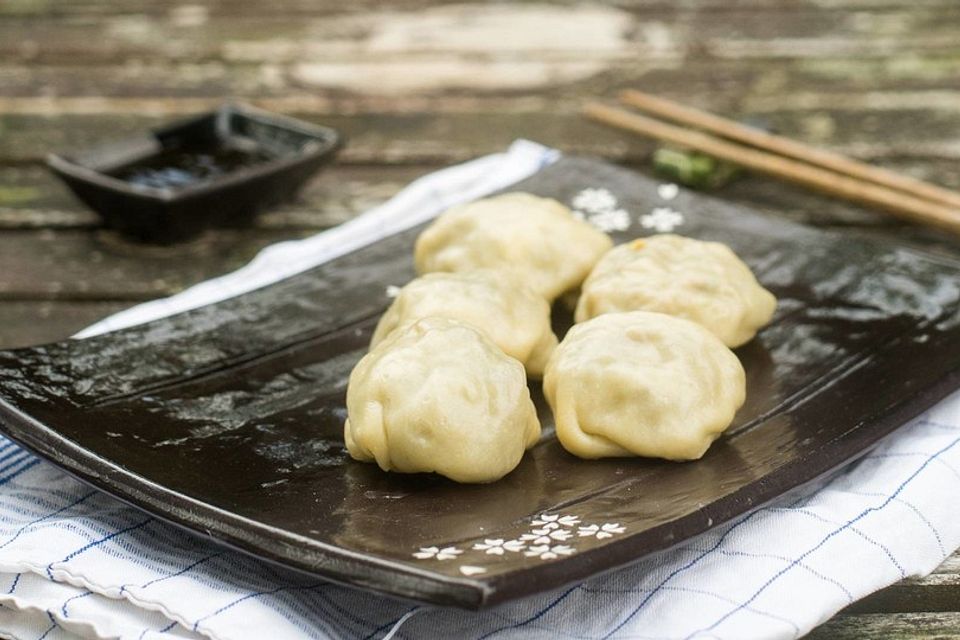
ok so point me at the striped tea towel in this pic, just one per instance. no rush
(77, 563)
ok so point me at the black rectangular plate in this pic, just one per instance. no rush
(228, 419)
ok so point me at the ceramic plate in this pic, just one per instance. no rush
(228, 419)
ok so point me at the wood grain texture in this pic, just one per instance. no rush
(26, 8)
(32, 322)
(81, 266)
(938, 592)
(842, 80)
(34, 198)
(329, 31)
(439, 138)
(902, 626)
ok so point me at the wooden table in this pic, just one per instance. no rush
(425, 84)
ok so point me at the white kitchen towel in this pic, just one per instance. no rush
(77, 563)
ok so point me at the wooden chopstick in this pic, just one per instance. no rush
(670, 110)
(850, 188)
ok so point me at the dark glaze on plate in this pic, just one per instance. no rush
(228, 419)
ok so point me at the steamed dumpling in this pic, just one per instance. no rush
(701, 281)
(642, 384)
(438, 396)
(495, 303)
(539, 237)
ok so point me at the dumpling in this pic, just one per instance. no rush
(438, 396)
(642, 384)
(495, 303)
(701, 281)
(539, 237)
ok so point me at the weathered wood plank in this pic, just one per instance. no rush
(83, 266)
(373, 138)
(32, 198)
(892, 81)
(902, 626)
(949, 570)
(438, 138)
(23, 324)
(583, 32)
(909, 597)
(937, 592)
(254, 8)
(33, 188)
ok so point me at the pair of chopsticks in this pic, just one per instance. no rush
(784, 158)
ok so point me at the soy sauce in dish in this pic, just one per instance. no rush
(181, 167)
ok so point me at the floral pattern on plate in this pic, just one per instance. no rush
(549, 536)
(600, 207)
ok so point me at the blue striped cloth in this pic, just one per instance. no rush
(77, 563)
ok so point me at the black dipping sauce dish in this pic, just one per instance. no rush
(213, 170)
